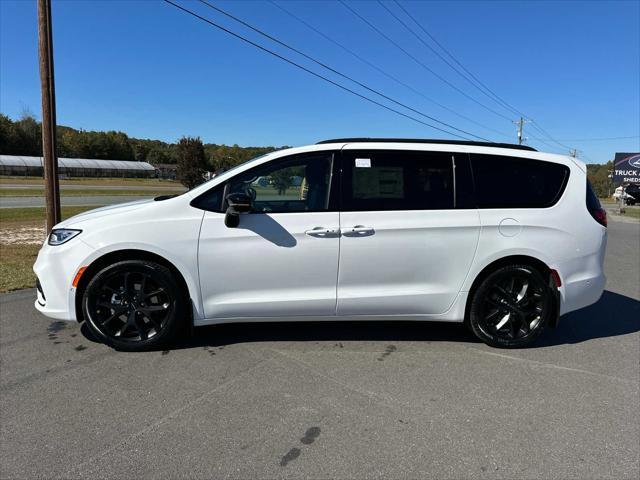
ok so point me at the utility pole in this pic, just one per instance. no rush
(520, 124)
(573, 153)
(45, 48)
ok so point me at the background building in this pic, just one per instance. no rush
(16, 165)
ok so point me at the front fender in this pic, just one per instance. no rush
(185, 262)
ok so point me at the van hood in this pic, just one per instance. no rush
(104, 211)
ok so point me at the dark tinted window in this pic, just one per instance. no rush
(397, 180)
(512, 182)
(593, 203)
(211, 200)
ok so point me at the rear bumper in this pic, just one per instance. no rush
(582, 292)
(583, 281)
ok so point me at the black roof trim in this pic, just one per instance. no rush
(427, 140)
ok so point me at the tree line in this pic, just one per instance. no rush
(24, 137)
(598, 174)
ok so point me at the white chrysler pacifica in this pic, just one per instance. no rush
(500, 237)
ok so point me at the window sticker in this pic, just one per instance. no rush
(379, 182)
(363, 162)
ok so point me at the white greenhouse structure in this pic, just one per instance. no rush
(17, 165)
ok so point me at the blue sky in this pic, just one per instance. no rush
(152, 71)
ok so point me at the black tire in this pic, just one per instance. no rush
(134, 305)
(511, 307)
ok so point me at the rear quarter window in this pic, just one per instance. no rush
(513, 182)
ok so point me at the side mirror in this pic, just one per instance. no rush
(238, 203)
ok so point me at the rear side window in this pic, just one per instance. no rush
(593, 203)
(375, 180)
(512, 182)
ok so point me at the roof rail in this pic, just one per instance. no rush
(427, 140)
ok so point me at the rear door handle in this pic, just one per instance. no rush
(322, 232)
(357, 231)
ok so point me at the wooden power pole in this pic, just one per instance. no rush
(52, 190)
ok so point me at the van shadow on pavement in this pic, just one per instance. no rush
(611, 316)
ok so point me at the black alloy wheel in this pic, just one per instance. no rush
(511, 307)
(133, 305)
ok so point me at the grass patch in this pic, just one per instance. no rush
(18, 216)
(93, 181)
(632, 213)
(16, 266)
(38, 192)
(16, 260)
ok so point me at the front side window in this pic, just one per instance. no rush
(300, 183)
(376, 180)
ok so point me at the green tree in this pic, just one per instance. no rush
(598, 175)
(28, 139)
(191, 161)
(8, 136)
(157, 156)
(24, 137)
(221, 164)
(141, 151)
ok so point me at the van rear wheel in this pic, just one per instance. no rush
(134, 305)
(511, 307)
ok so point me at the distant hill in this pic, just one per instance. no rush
(24, 137)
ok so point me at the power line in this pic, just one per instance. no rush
(383, 72)
(450, 55)
(546, 134)
(440, 77)
(311, 72)
(333, 70)
(497, 97)
(421, 40)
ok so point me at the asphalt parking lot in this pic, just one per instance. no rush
(329, 400)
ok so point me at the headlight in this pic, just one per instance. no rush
(59, 236)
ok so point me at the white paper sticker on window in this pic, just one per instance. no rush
(363, 162)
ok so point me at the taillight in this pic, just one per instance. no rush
(599, 215)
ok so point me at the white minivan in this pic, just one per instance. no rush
(500, 237)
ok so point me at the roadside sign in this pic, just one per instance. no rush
(626, 169)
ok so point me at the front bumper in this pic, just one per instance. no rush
(55, 269)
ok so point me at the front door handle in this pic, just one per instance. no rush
(322, 232)
(357, 231)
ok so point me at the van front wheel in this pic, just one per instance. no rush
(511, 307)
(134, 305)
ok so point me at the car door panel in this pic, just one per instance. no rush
(282, 258)
(268, 266)
(414, 262)
(406, 249)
